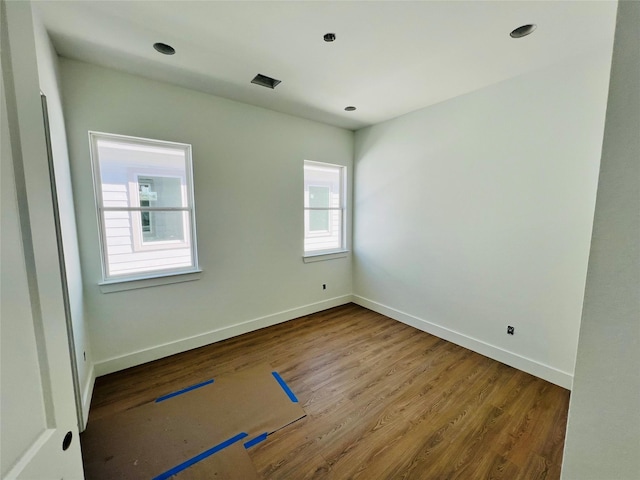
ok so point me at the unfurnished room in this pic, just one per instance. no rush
(320, 239)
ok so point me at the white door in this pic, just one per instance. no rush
(39, 428)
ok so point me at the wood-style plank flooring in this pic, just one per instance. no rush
(383, 401)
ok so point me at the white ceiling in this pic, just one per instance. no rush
(389, 58)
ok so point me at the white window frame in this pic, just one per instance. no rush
(151, 277)
(341, 250)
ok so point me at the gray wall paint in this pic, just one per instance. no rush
(248, 168)
(476, 213)
(603, 434)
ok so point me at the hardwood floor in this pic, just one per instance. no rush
(383, 401)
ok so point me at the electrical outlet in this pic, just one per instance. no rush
(324, 286)
(510, 330)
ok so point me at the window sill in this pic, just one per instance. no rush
(111, 286)
(320, 257)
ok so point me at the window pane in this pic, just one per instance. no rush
(319, 196)
(149, 183)
(132, 250)
(162, 226)
(142, 262)
(156, 191)
(318, 220)
(134, 173)
(323, 203)
(327, 239)
(322, 186)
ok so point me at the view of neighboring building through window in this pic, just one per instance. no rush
(144, 195)
(324, 208)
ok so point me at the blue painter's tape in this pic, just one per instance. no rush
(207, 453)
(285, 387)
(255, 441)
(184, 390)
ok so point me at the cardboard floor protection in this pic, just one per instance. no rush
(195, 433)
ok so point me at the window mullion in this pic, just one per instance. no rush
(146, 209)
(324, 208)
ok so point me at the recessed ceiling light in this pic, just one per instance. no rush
(164, 48)
(350, 108)
(329, 37)
(523, 31)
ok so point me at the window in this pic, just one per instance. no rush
(324, 208)
(144, 196)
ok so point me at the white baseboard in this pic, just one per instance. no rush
(115, 364)
(87, 394)
(528, 365)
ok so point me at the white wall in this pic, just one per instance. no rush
(49, 85)
(248, 168)
(603, 434)
(476, 213)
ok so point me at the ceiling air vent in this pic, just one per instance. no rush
(265, 81)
